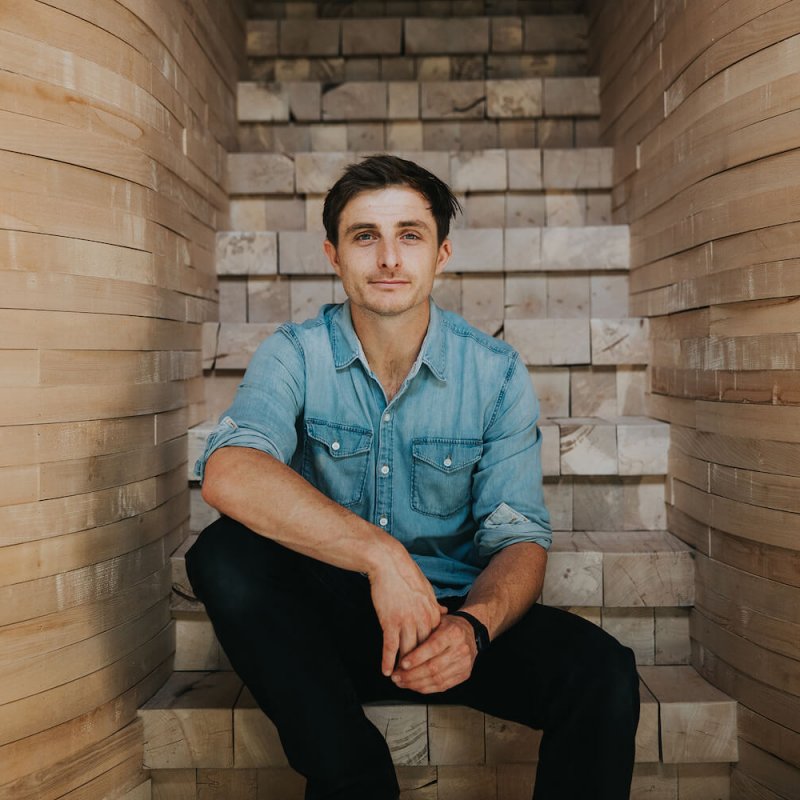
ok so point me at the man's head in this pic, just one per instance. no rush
(381, 172)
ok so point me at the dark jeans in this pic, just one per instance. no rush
(305, 639)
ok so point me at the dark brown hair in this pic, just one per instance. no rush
(379, 172)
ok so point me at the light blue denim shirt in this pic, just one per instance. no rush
(450, 467)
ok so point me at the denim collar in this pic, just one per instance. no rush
(347, 347)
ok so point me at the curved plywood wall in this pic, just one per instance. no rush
(701, 100)
(115, 116)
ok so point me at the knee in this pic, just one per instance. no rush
(616, 683)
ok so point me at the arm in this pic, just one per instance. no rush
(272, 500)
(500, 596)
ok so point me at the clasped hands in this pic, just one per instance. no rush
(424, 649)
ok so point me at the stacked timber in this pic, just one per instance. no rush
(113, 121)
(700, 102)
(506, 113)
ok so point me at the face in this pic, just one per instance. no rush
(388, 256)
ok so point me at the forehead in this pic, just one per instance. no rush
(392, 203)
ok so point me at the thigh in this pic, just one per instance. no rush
(547, 661)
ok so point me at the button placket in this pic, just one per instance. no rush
(383, 492)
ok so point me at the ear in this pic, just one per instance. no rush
(443, 256)
(330, 251)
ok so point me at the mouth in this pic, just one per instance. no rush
(389, 283)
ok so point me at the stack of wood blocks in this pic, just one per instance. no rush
(503, 111)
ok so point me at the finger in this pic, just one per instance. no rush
(427, 681)
(391, 642)
(408, 639)
(433, 646)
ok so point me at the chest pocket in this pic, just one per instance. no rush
(335, 459)
(441, 474)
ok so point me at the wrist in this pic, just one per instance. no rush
(480, 631)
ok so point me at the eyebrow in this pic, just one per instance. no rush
(371, 226)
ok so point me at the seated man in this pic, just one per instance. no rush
(383, 533)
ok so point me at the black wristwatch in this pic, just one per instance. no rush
(481, 633)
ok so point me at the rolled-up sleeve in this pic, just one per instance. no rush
(508, 501)
(267, 403)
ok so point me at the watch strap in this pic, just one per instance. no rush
(481, 631)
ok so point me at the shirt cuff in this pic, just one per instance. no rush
(506, 526)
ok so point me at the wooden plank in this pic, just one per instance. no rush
(40, 712)
(31, 638)
(31, 599)
(51, 782)
(697, 721)
(769, 771)
(776, 423)
(770, 736)
(760, 697)
(773, 669)
(125, 781)
(776, 564)
(758, 488)
(755, 319)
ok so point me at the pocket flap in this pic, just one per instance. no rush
(339, 439)
(448, 455)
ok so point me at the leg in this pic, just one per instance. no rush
(557, 672)
(281, 619)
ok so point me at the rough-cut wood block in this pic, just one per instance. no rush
(189, 722)
(525, 169)
(631, 390)
(523, 253)
(515, 781)
(509, 742)
(403, 135)
(367, 36)
(467, 783)
(260, 173)
(437, 163)
(672, 636)
(484, 210)
(308, 294)
(209, 343)
(405, 728)
(704, 781)
(620, 341)
(482, 298)
(552, 389)
(634, 628)
(609, 296)
(598, 504)
(255, 738)
(317, 172)
(174, 784)
(247, 253)
(573, 578)
(223, 784)
(593, 392)
(571, 97)
(558, 497)
(305, 100)
(698, 722)
(642, 446)
(549, 341)
(654, 782)
(308, 37)
(476, 250)
(514, 99)
(455, 735)
(585, 168)
(268, 300)
(403, 100)
(549, 34)
(367, 136)
(238, 341)
(456, 100)
(232, 299)
(551, 457)
(451, 35)
(262, 37)
(329, 137)
(201, 515)
(588, 446)
(301, 253)
(248, 214)
(418, 783)
(643, 504)
(565, 210)
(481, 171)
(506, 34)
(280, 783)
(262, 102)
(568, 296)
(355, 100)
(599, 248)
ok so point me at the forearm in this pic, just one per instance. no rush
(271, 499)
(508, 587)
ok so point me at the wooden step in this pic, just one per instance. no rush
(362, 101)
(310, 9)
(383, 36)
(203, 720)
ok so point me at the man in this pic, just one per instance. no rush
(384, 534)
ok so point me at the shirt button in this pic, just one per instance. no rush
(448, 462)
(383, 522)
(335, 446)
(385, 469)
(387, 416)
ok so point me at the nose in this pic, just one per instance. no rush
(389, 254)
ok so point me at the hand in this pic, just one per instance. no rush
(406, 606)
(442, 661)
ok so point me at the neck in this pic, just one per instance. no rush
(391, 344)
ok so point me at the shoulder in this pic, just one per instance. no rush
(469, 339)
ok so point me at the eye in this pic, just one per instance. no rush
(364, 237)
(411, 235)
